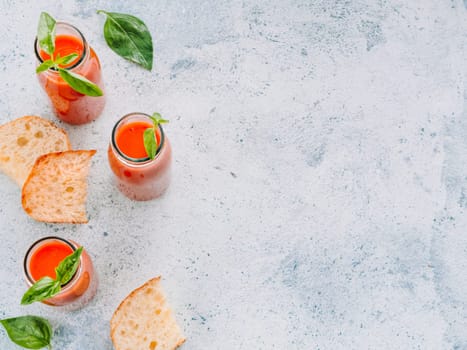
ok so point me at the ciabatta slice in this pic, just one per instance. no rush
(56, 188)
(23, 140)
(144, 321)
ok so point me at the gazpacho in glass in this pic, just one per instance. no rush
(45, 255)
(137, 175)
(71, 106)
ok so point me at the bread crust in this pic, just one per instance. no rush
(116, 319)
(31, 118)
(128, 297)
(38, 135)
(40, 167)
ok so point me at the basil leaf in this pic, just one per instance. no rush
(150, 143)
(44, 66)
(43, 289)
(30, 332)
(80, 83)
(157, 119)
(65, 60)
(68, 266)
(46, 33)
(129, 37)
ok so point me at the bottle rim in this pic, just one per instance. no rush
(80, 36)
(37, 244)
(136, 161)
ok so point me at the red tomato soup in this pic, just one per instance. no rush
(137, 176)
(46, 258)
(70, 106)
(45, 255)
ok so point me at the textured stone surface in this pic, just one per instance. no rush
(319, 189)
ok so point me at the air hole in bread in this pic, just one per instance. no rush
(22, 141)
(134, 325)
(58, 146)
(157, 329)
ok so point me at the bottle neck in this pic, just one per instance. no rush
(134, 118)
(70, 40)
(36, 246)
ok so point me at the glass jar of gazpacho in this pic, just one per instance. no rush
(45, 255)
(139, 177)
(71, 106)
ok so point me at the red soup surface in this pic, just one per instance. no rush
(66, 45)
(130, 140)
(46, 258)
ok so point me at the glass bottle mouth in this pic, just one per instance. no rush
(37, 245)
(127, 118)
(64, 28)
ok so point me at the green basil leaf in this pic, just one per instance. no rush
(68, 266)
(46, 33)
(65, 60)
(150, 142)
(30, 332)
(129, 37)
(157, 119)
(43, 289)
(80, 83)
(44, 66)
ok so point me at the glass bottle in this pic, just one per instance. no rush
(79, 290)
(69, 105)
(140, 178)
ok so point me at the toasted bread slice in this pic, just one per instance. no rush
(23, 140)
(56, 188)
(144, 321)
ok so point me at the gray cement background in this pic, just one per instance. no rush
(319, 188)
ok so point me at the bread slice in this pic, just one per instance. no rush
(23, 140)
(144, 321)
(56, 188)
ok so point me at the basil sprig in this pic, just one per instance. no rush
(150, 140)
(43, 289)
(46, 33)
(80, 83)
(47, 287)
(129, 37)
(30, 332)
(46, 38)
(67, 268)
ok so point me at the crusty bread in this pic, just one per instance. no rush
(56, 188)
(144, 321)
(23, 140)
